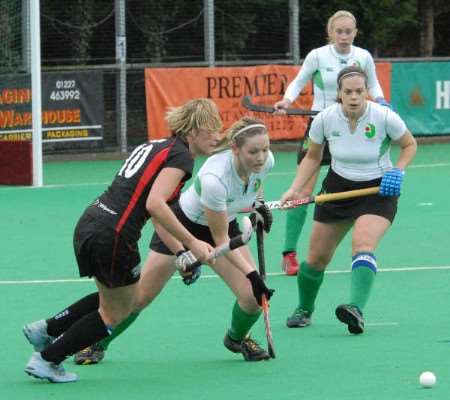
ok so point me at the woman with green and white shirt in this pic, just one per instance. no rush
(227, 182)
(359, 133)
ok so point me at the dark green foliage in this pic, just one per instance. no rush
(81, 32)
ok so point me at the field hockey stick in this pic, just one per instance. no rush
(249, 105)
(234, 243)
(262, 273)
(320, 198)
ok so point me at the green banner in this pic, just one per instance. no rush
(421, 95)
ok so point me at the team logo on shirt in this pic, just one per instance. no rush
(257, 185)
(370, 131)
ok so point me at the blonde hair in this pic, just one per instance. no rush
(240, 131)
(335, 16)
(194, 115)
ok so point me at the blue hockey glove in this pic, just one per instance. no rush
(391, 182)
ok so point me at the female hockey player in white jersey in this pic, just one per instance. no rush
(359, 133)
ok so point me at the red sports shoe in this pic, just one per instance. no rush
(289, 264)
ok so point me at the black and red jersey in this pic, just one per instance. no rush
(122, 205)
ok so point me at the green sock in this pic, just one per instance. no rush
(241, 322)
(309, 281)
(361, 285)
(118, 330)
(295, 219)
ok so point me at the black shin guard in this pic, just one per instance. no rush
(88, 330)
(66, 318)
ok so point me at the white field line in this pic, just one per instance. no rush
(214, 276)
(291, 173)
(381, 324)
(436, 165)
(57, 186)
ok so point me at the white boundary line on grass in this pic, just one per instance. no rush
(214, 276)
(435, 165)
(381, 324)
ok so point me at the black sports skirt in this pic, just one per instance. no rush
(201, 232)
(384, 206)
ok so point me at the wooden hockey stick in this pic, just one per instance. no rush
(320, 198)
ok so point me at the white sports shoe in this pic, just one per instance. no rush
(42, 369)
(36, 334)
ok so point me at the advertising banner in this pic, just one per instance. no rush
(72, 107)
(421, 95)
(226, 86)
(166, 87)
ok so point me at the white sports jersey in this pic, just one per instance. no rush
(363, 154)
(218, 187)
(323, 65)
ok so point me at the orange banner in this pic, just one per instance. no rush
(384, 77)
(166, 87)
